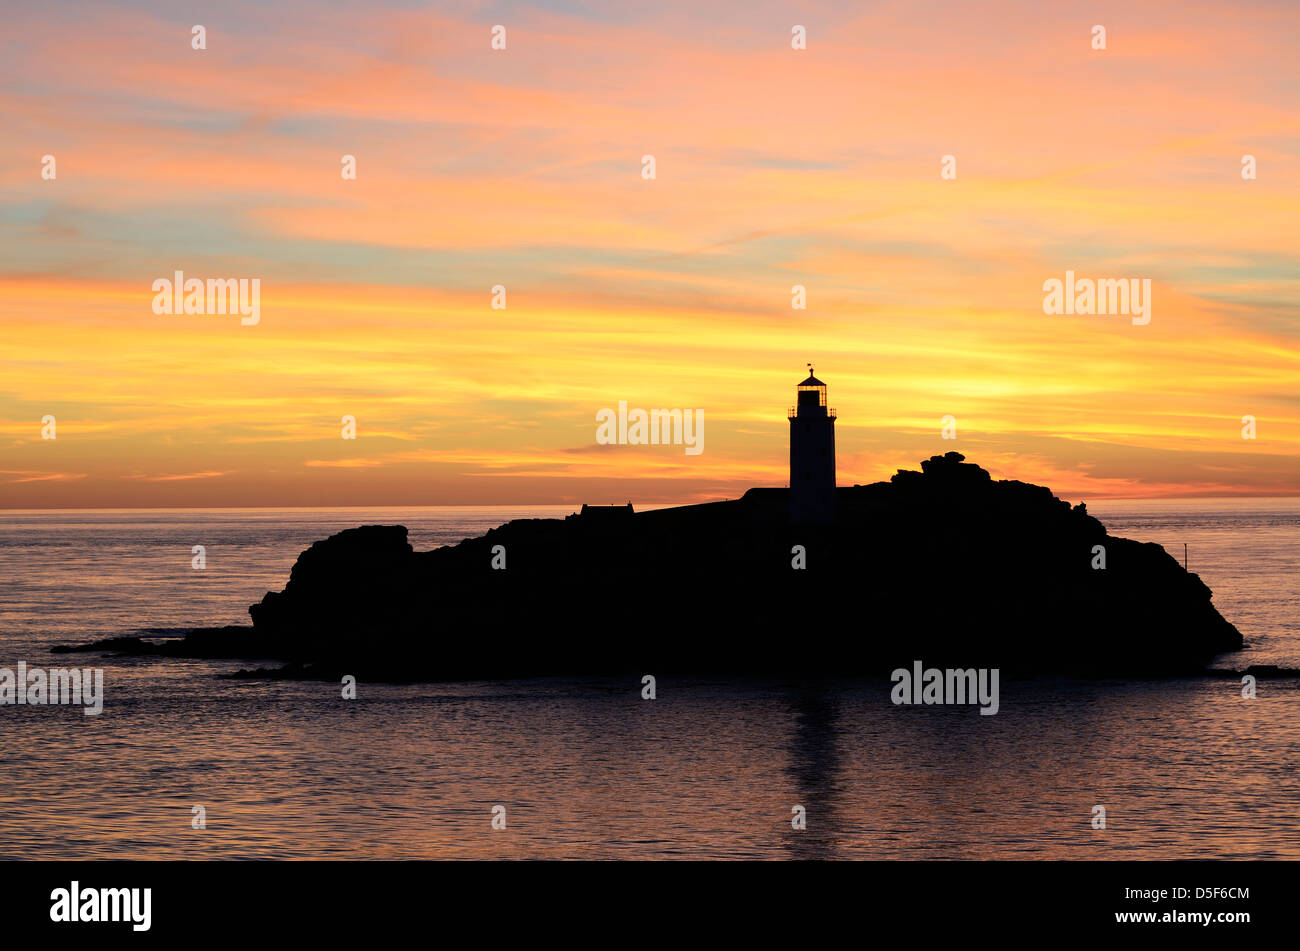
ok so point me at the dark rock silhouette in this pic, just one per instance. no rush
(944, 565)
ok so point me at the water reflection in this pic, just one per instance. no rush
(814, 769)
(587, 769)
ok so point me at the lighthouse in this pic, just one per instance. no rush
(812, 454)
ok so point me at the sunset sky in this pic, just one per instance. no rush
(523, 167)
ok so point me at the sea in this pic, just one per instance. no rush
(184, 762)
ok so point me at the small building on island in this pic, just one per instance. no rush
(605, 513)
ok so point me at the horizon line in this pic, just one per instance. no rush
(517, 505)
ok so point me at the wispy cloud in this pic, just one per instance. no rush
(774, 168)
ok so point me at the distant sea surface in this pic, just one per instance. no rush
(587, 769)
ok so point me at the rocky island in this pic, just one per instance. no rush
(944, 564)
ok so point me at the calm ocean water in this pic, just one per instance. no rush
(585, 768)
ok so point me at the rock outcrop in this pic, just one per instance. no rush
(944, 565)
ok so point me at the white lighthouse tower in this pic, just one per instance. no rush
(812, 455)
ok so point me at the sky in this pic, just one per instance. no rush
(523, 168)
